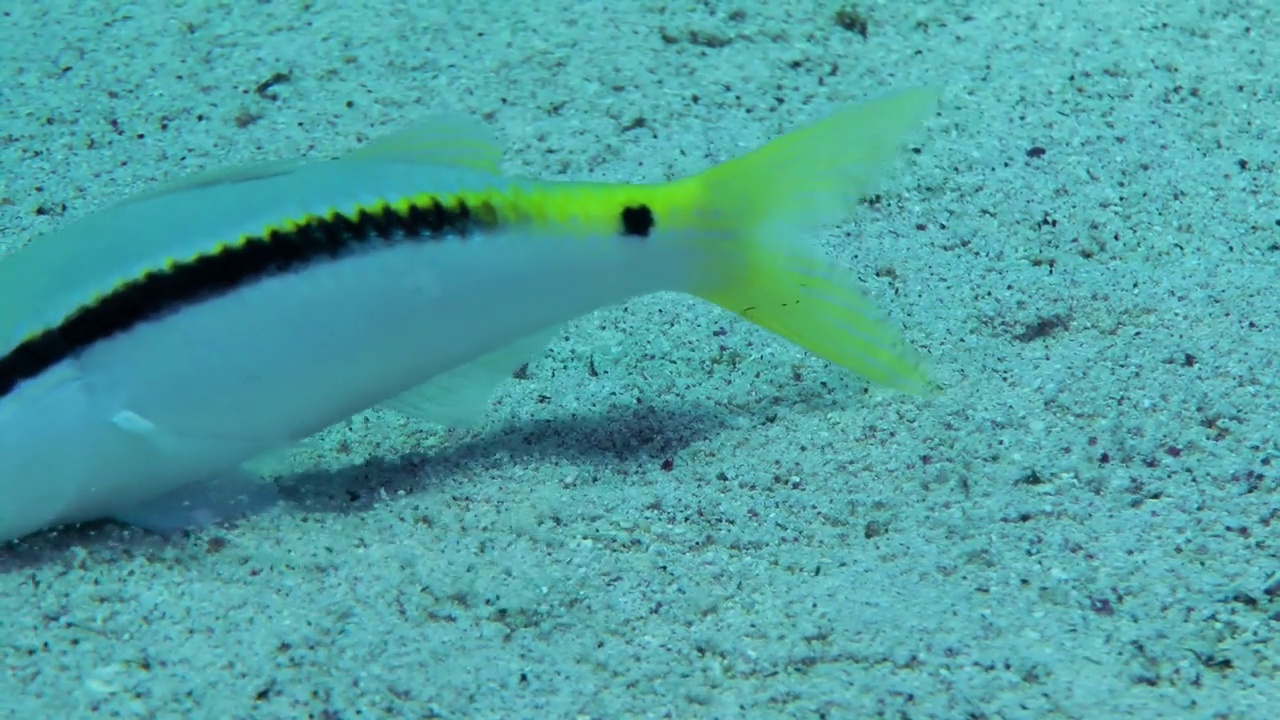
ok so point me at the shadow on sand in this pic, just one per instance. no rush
(605, 438)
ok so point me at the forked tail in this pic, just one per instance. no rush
(772, 200)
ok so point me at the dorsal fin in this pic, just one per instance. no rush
(221, 176)
(449, 139)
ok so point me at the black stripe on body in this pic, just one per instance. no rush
(290, 246)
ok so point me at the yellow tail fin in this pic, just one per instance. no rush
(772, 199)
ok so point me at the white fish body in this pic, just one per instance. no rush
(120, 387)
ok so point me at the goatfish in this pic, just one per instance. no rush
(152, 351)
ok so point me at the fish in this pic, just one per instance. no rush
(153, 351)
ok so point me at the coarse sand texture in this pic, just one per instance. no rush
(672, 513)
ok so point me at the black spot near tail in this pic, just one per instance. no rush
(637, 221)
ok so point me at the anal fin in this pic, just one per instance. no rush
(459, 397)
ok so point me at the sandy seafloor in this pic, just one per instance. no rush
(1084, 524)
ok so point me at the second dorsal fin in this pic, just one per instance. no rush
(449, 139)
